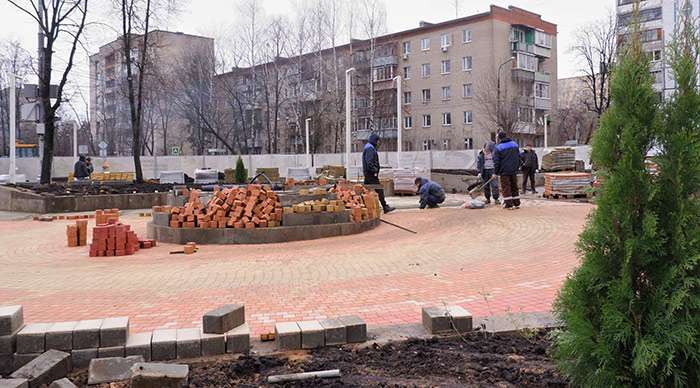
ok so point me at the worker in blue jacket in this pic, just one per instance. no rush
(371, 167)
(431, 193)
(506, 161)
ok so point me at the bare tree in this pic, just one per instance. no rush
(13, 60)
(373, 23)
(499, 104)
(57, 19)
(596, 47)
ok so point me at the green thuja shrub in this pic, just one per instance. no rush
(241, 174)
(631, 311)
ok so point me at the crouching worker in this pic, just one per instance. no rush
(431, 194)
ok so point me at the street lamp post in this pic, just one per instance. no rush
(399, 122)
(498, 87)
(13, 129)
(308, 158)
(348, 118)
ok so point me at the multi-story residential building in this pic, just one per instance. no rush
(165, 131)
(658, 20)
(455, 76)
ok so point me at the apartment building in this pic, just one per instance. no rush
(453, 74)
(658, 20)
(165, 131)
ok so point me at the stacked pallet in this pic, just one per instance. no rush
(363, 203)
(113, 239)
(405, 179)
(106, 216)
(77, 234)
(247, 207)
(559, 159)
(567, 183)
(323, 205)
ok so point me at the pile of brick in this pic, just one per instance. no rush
(77, 234)
(113, 239)
(106, 216)
(247, 207)
(323, 205)
(363, 203)
(313, 191)
(146, 244)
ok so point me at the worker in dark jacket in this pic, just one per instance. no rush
(431, 194)
(506, 163)
(530, 165)
(485, 169)
(371, 167)
(80, 169)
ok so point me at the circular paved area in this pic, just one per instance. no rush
(491, 262)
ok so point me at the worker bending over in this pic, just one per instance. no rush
(431, 194)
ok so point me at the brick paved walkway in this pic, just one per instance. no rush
(491, 262)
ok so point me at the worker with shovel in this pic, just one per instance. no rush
(485, 168)
(506, 163)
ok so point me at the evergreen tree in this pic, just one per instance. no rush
(241, 174)
(632, 310)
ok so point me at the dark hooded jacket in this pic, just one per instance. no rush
(529, 160)
(430, 192)
(80, 169)
(506, 158)
(370, 159)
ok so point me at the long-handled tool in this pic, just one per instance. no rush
(397, 226)
(472, 192)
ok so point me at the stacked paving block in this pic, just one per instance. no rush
(106, 216)
(44, 369)
(317, 334)
(446, 319)
(11, 322)
(322, 205)
(113, 239)
(363, 203)
(77, 234)
(225, 325)
(248, 207)
(146, 244)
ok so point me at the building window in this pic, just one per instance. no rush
(468, 118)
(526, 62)
(543, 39)
(541, 90)
(446, 66)
(426, 121)
(468, 143)
(425, 70)
(445, 144)
(447, 118)
(426, 95)
(446, 92)
(466, 90)
(467, 63)
(445, 40)
(383, 73)
(407, 97)
(655, 55)
(466, 36)
(426, 145)
(407, 72)
(408, 122)
(425, 44)
(407, 47)
(658, 76)
(645, 15)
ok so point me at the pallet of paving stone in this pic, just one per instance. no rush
(559, 159)
(567, 183)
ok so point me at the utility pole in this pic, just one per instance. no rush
(348, 118)
(13, 128)
(399, 118)
(40, 66)
(308, 155)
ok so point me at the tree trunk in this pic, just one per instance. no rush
(49, 116)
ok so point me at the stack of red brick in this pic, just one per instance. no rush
(363, 203)
(113, 239)
(77, 234)
(103, 217)
(251, 207)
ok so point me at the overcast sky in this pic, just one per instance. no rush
(207, 16)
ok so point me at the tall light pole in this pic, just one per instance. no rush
(308, 158)
(75, 140)
(498, 88)
(545, 118)
(348, 118)
(399, 123)
(13, 128)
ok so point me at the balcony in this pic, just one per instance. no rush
(543, 103)
(525, 128)
(541, 51)
(542, 77)
(521, 75)
(385, 61)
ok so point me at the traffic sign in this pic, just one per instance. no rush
(102, 145)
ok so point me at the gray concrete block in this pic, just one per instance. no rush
(334, 332)
(32, 338)
(63, 383)
(86, 334)
(213, 344)
(112, 351)
(139, 345)
(355, 328)
(114, 332)
(238, 340)
(436, 319)
(21, 360)
(8, 343)
(189, 343)
(59, 336)
(223, 319)
(7, 364)
(164, 345)
(51, 365)
(11, 319)
(107, 370)
(312, 335)
(288, 336)
(155, 375)
(80, 358)
(14, 383)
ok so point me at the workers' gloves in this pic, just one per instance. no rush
(479, 176)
